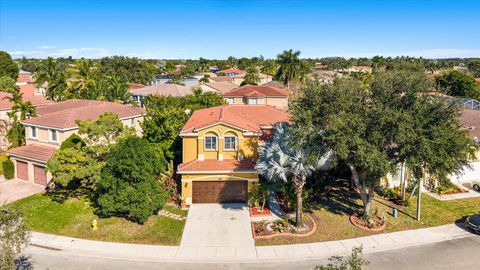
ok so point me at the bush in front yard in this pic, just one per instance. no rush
(128, 186)
(8, 169)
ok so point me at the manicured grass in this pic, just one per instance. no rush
(74, 217)
(3, 157)
(334, 208)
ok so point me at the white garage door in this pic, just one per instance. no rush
(468, 174)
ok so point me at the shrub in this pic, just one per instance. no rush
(128, 186)
(72, 142)
(354, 262)
(257, 196)
(8, 169)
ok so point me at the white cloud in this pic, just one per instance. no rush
(46, 47)
(431, 53)
(73, 52)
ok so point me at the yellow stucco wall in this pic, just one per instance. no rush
(194, 146)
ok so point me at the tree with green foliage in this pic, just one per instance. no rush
(177, 80)
(107, 88)
(53, 73)
(166, 115)
(128, 69)
(205, 79)
(101, 134)
(73, 141)
(291, 68)
(474, 67)
(20, 111)
(458, 84)
(14, 237)
(269, 67)
(374, 130)
(8, 169)
(7, 85)
(82, 76)
(352, 262)
(289, 157)
(7, 66)
(129, 185)
(252, 77)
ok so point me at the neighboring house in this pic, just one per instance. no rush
(221, 79)
(220, 150)
(365, 69)
(168, 89)
(26, 85)
(231, 72)
(167, 78)
(258, 95)
(471, 121)
(53, 125)
(238, 79)
(133, 86)
(221, 87)
(275, 84)
(6, 106)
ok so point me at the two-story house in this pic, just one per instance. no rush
(258, 95)
(53, 125)
(220, 149)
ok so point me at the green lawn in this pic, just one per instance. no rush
(74, 217)
(334, 208)
(3, 157)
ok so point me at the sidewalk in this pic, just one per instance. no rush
(379, 242)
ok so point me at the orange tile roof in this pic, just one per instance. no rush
(222, 86)
(221, 79)
(217, 165)
(232, 70)
(64, 114)
(247, 117)
(33, 151)
(27, 89)
(25, 78)
(266, 90)
(35, 100)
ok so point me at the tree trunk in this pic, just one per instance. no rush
(299, 182)
(366, 197)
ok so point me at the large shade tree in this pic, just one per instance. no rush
(7, 66)
(373, 130)
(288, 157)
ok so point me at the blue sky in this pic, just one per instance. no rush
(218, 29)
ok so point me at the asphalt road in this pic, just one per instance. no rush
(461, 253)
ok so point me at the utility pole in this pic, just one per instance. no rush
(419, 198)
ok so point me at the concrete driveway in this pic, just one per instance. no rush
(13, 190)
(218, 225)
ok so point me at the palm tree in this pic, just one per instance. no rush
(291, 68)
(82, 76)
(197, 91)
(205, 79)
(118, 90)
(25, 109)
(269, 67)
(290, 159)
(53, 74)
(252, 77)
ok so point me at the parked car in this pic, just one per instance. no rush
(474, 184)
(473, 223)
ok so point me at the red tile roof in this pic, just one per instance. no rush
(232, 70)
(247, 117)
(264, 90)
(64, 114)
(35, 100)
(217, 165)
(133, 86)
(477, 79)
(221, 79)
(25, 78)
(27, 89)
(33, 151)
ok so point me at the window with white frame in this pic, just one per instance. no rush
(230, 143)
(33, 132)
(230, 100)
(133, 121)
(53, 135)
(211, 143)
(253, 101)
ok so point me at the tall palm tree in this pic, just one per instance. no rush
(25, 110)
(269, 67)
(50, 72)
(82, 76)
(291, 68)
(205, 79)
(118, 90)
(252, 77)
(289, 159)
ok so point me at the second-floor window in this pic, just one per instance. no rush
(133, 121)
(230, 143)
(53, 135)
(211, 143)
(33, 132)
(253, 101)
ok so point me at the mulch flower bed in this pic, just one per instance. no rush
(364, 224)
(274, 228)
(259, 212)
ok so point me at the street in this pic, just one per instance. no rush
(461, 253)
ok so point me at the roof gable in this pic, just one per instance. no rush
(249, 90)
